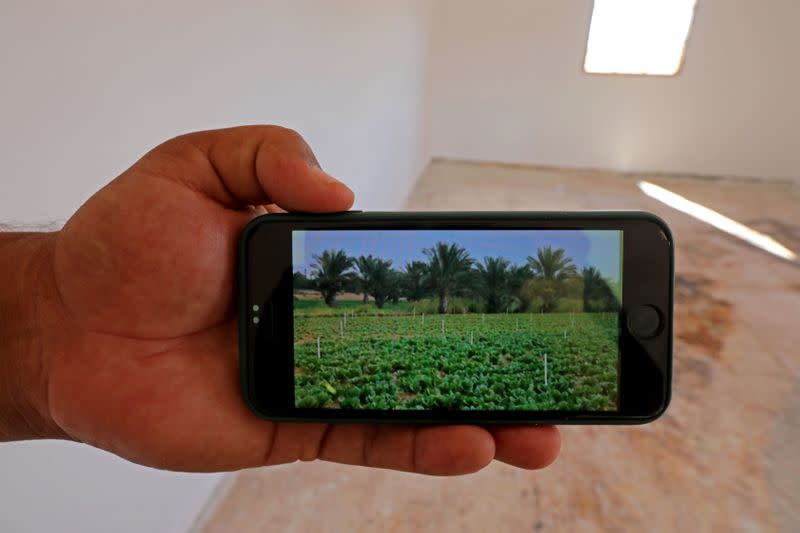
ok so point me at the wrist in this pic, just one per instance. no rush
(26, 269)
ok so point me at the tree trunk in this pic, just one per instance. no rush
(366, 297)
(330, 298)
(444, 302)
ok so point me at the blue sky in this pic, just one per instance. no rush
(598, 248)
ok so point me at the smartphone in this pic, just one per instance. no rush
(457, 317)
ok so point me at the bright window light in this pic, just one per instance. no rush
(718, 220)
(638, 36)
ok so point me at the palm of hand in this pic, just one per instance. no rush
(146, 275)
(142, 355)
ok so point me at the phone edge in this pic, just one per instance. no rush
(508, 215)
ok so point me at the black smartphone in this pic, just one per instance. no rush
(467, 317)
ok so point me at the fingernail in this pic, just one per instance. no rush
(327, 178)
(311, 160)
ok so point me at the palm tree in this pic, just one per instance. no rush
(395, 286)
(377, 278)
(301, 282)
(552, 264)
(597, 294)
(551, 269)
(331, 273)
(414, 279)
(493, 283)
(448, 270)
(363, 264)
(517, 276)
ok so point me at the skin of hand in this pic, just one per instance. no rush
(134, 329)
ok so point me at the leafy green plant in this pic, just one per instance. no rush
(491, 361)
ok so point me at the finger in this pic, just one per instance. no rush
(272, 208)
(251, 165)
(207, 427)
(434, 450)
(530, 447)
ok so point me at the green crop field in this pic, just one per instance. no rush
(469, 361)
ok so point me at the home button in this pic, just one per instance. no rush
(644, 321)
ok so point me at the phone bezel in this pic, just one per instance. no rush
(265, 279)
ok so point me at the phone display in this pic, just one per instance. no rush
(457, 319)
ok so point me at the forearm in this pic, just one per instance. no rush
(26, 274)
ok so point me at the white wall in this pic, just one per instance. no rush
(64, 486)
(508, 85)
(86, 89)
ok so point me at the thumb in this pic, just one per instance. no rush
(250, 165)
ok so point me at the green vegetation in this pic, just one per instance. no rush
(414, 282)
(451, 276)
(332, 274)
(552, 271)
(598, 294)
(493, 284)
(449, 267)
(468, 361)
(376, 278)
(455, 333)
(430, 306)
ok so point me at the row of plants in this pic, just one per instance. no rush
(385, 363)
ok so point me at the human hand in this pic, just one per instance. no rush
(138, 343)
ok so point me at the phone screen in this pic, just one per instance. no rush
(457, 319)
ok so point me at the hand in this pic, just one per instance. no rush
(139, 344)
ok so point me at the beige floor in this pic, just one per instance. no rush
(724, 458)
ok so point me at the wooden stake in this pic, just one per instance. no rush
(318, 351)
(545, 371)
(471, 338)
(341, 328)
